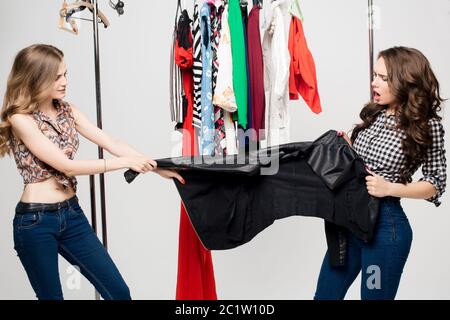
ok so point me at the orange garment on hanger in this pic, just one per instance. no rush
(302, 77)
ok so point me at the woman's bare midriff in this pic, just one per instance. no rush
(48, 191)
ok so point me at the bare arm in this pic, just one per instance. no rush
(432, 185)
(377, 186)
(27, 131)
(91, 132)
(116, 147)
(414, 190)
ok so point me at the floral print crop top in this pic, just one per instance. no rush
(62, 133)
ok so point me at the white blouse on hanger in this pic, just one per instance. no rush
(274, 29)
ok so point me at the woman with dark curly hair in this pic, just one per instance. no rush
(400, 132)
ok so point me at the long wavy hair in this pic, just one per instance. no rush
(416, 92)
(32, 75)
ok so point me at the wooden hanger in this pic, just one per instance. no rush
(67, 10)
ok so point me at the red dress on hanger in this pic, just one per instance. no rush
(195, 267)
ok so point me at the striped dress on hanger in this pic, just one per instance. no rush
(197, 68)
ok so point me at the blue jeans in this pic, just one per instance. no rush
(40, 235)
(380, 261)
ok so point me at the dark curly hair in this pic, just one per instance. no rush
(416, 91)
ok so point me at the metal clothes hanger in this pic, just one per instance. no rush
(178, 12)
(257, 3)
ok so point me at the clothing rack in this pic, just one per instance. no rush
(95, 21)
(370, 11)
(100, 124)
(100, 150)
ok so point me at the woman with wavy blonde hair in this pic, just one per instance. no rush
(40, 130)
(401, 131)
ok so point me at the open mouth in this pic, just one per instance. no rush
(376, 95)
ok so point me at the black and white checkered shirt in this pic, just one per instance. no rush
(380, 146)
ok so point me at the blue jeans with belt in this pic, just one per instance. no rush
(380, 261)
(41, 231)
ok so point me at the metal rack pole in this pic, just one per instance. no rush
(100, 150)
(371, 41)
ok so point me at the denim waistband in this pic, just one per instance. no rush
(24, 207)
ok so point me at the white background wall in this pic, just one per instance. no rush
(282, 262)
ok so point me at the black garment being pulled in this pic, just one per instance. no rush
(230, 204)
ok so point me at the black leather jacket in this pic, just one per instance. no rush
(228, 204)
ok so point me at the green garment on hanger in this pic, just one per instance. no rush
(239, 60)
